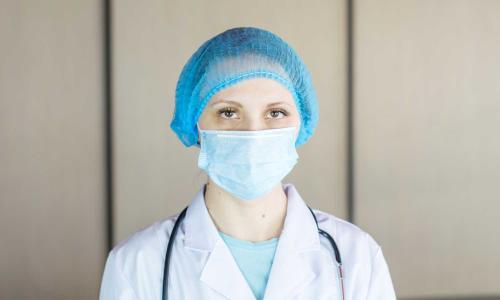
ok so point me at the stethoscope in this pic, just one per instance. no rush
(181, 217)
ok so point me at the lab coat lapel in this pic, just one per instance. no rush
(223, 274)
(291, 272)
(220, 271)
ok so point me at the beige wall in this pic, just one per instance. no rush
(426, 111)
(52, 243)
(427, 114)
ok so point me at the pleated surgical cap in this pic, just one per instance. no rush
(230, 57)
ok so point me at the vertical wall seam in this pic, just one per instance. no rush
(350, 112)
(108, 119)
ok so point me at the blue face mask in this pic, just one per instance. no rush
(247, 164)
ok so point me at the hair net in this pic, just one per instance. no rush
(230, 57)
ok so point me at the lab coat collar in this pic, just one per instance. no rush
(290, 271)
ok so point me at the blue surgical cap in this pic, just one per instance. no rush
(232, 56)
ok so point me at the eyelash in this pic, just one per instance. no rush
(225, 110)
(284, 112)
(230, 110)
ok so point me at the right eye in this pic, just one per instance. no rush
(226, 113)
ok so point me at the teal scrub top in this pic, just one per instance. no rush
(254, 260)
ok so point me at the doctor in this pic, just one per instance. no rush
(246, 99)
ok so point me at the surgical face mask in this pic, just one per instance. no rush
(247, 164)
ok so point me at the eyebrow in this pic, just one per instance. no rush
(278, 103)
(226, 101)
(239, 105)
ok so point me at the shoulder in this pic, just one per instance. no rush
(348, 235)
(135, 260)
(142, 251)
(367, 273)
(146, 241)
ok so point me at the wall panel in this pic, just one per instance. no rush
(427, 152)
(51, 150)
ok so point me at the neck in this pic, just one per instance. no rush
(254, 220)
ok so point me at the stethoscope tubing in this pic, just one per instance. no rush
(183, 214)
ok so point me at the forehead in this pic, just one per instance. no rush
(254, 91)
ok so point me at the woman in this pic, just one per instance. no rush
(246, 100)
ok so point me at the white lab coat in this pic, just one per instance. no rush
(202, 266)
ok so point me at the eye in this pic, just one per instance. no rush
(275, 113)
(226, 113)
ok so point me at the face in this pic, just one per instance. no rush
(252, 104)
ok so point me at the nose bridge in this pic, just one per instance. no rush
(253, 121)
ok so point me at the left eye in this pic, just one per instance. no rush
(276, 113)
